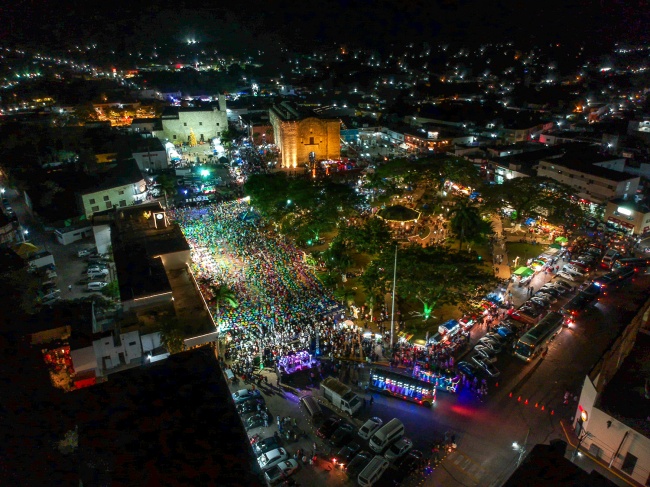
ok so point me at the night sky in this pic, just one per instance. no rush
(371, 23)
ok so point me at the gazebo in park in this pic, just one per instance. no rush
(399, 214)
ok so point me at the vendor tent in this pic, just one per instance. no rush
(561, 240)
(524, 272)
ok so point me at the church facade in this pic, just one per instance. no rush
(300, 135)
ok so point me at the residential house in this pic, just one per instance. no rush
(120, 186)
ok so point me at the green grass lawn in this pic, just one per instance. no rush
(524, 251)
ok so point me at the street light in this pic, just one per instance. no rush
(521, 449)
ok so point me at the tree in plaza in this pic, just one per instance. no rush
(529, 197)
(466, 222)
(461, 171)
(167, 183)
(171, 335)
(434, 276)
(337, 256)
(372, 237)
(346, 295)
(223, 295)
(302, 207)
(373, 300)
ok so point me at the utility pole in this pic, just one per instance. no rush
(576, 451)
(392, 313)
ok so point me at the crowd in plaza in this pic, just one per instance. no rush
(280, 302)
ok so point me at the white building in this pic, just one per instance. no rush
(612, 420)
(121, 186)
(205, 122)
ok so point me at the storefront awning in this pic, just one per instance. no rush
(524, 272)
(561, 240)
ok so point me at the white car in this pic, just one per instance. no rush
(567, 276)
(398, 449)
(572, 269)
(369, 427)
(97, 270)
(272, 458)
(486, 366)
(491, 344)
(281, 471)
(84, 252)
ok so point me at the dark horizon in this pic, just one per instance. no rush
(363, 23)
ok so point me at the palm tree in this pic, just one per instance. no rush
(223, 295)
(465, 221)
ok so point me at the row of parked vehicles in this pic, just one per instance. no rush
(97, 270)
(386, 447)
(273, 459)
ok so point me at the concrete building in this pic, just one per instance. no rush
(150, 154)
(596, 177)
(628, 216)
(301, 134)
(611, 419)
(120, 186)
(206, 122)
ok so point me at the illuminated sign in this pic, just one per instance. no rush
(624, 211)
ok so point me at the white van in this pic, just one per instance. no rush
(373, 471)
(96, 285)
(387, 434)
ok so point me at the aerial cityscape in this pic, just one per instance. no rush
(335, 244)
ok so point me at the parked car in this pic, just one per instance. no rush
(567, 276)
(281, 471)
(564, 285)
(398, 449)
(97, 271)
(409, 462)
(243, 395)
(466, 368)
(328, 428)
(251, 406)
(267, 444)
(346, 454)
(369, 427)
(496, 347)
(357, 464)
(505, 332)
(486, 366)
(540, 301)
(486, 353)
(571, 269)
(85, 252)
(342, 434)
(272, 458)
(257, 420)
(552, 288)
(546, 296)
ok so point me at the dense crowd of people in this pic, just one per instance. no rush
(280, 304)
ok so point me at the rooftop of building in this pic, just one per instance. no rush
(149, 226)
(584, 157)
(529, 157)
(171, 423)
(288, 112)
(173, 112)
(624, 395)
(546, 465)
(121, 174)
(157, 122)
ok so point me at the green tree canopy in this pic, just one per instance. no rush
(303, 207)
(466, 222)
(433, 275)
(371, 238)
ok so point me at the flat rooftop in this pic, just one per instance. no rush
(623, 397)
(168, 423)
